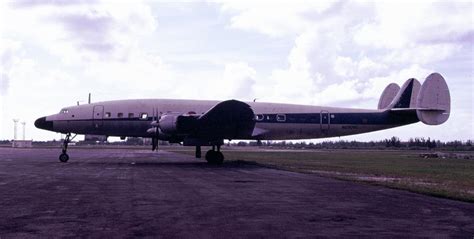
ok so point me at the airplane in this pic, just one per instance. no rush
(208, 123)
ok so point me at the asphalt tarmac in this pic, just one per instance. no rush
(138, 193)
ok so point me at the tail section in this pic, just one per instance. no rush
(431, 101)
(434, 101)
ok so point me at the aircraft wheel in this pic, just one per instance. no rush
(214, 157)
(210, 156)
(63, 157)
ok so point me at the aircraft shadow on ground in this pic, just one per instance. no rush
(239, 164)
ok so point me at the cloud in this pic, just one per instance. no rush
(276, 18)
(40, 3)
(4, 83)
(9, 51)
(84, 30)
(142, 75)
(91, 28)
(238, 81)
(83, 34)
(396, 25)
(343, 49)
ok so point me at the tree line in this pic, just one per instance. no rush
(419, 143)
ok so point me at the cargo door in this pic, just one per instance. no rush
(325, 122)
(98, 116)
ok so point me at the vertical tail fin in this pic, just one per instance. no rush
(434, 101)
(407, 95)
(388, 95)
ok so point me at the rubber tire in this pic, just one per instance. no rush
(63, 158)
(210, 156)
(214, 157)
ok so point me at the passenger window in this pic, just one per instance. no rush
(107, 115)
(259, 117)
(130, 115)
(281, 118)
(144, 116)
(119, 115)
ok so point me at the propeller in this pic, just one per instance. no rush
(155, 125)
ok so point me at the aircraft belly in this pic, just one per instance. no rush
(285, 131)
(74, 126)
(125, 128)
(106, 127)
(277, 131)
(349, 129)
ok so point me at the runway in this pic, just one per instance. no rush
(120, 193)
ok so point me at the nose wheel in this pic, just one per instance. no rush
(214, 156)
(64, 157)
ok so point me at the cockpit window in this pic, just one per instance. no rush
(64, 111)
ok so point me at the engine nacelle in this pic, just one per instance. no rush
(169, 124)
(174, 124)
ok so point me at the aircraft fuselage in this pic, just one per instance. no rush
(132, 118)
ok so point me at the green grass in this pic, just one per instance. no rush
(448, 177)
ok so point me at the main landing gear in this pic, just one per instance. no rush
(64, 157)
(214, 156)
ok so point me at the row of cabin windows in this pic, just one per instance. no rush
(143, 116)
(279, 117)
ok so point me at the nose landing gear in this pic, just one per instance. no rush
(64, 157)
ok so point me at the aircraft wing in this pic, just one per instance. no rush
(229, 119)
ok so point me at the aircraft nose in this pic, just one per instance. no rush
(42, 123)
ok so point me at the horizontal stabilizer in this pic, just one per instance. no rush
(434, 101)
(388, 95)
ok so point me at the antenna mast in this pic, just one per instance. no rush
(23, 124)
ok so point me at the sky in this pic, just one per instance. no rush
(330, 53)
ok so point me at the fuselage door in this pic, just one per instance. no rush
(97, 116)
(325, 122)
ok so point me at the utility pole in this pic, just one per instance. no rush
(23, 124)
(15, 122)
